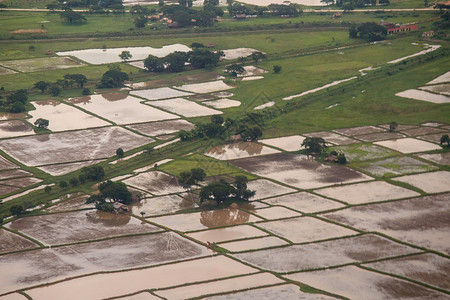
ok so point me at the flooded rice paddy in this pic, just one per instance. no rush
(156, 183)
(121, 108)
(185, 107)
(266, 189)
(433, 182)
(441, 79)
(227, 234)
(408, 145)
(439, 158)
(287, 143)
(61, 169)
(239, 150)
(276, 212)
(439, 88)
(304, 202)
(111, 55)
(159, 93)
(231, 54)
(252, 244)
(14, 128)
(333, 138)
(162, 127)
(398, 165)
(161, 205)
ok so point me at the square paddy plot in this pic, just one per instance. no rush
(159, 93)
(429, 268)
(265, 188)
(63, 117)
(422, 131)
(6, 164)
(74, 146)
(356, 283)
(252, 244)
(434, 138)
(205, 87)
(305, 229)
(299, 170)
(227, 234)
(397, 165)
(121, 108)
(239, 150)
(287, 143)
(432, 182)
(162, 127)
(325, 254)
(14, 128)
(304, 202)
(161, 205)
(156, 183)
(205, 219)
(79, 226)
(367, 192)
(422, 221)
(185, 107)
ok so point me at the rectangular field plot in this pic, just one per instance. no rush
(227, 234)
(41, 64)
(325, 254)
(356, 283)
(205, 219)
(429, 268)
(398, 165)
(13, 242)
(121, 109)
(79, 226)
(75, 202)
(331, 137)
(287, 143)
(433, 182)
(159, 93)
(63, 117)
(265, 188)
(72, 146)
(162, 127)
(6, 164)
(362, 152)
(41, 266)
(424, 96)
(61, 169)
(205, 87)
(439, 158)
(305, 229)
(380, 136)
(252, 244)
(177, 274)
(156, 183)
(304, 202)
(421, 221)
(367, 192)
(185, 107)
(239, 150)
(161, 205)
(409, 145)
(299, 170)
(359, 130)
(276, 212)
(221, 286)
(13, 128)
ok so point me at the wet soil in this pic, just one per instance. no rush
(200, 98)
(61, 169)
(434, 138)
(359, 130)
(205, 87)
(380, 136)
(265, 189)
(396, 166)
(153, 84)
(155, 182)
(13, 242)
(275, 292)
(424, 96)
(21, 182)
(162, 127)
(159, 93)
(6, 189)
(227, 234)
(13, 128)
(433, 182)
(161, 205)
(276, 212)
(223, 103)
(185, 107)
(239, 150)
(75, 203)
(252, 244)
(439, 158)
(304, 202)
(8, 116)
(422, 131)
(287, 143)
(199, 77)
(333, 138)
(13, 174)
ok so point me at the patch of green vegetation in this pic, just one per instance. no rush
(362, 152)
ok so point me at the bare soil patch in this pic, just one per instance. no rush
(6, 189)
(266, 188)
(239, 150)
(13, 128)
(205, 87)
(325, 254)
(71, 146)
(422, 221)
(199, 77)
(223, 103)
(238, 52)
(185, 107)
(6, 164)
(408, 145)
(10, 116)
(276, 212)
(75, 203)
(441, 79)
(299, 170)
(422, 131)
(79, 226)
(159, 93)
(434, 138)
(424, 96)
(162, 127)
(304, 202)
(359, 130)
(355, 283)
(158, 83)
(380, 136)
(204, 97)
(42, 64)
(439, 88)
(13, 242)
(21, 182)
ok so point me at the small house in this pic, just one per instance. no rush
(428, 34)
(402, 29)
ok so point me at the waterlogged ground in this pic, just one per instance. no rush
(344, 231)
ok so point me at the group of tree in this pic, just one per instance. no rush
(369, 31)
(175, 62)
(68, 81)
(351, 4)
(283, 10)
(188, 178)
(221, 191)
(91, 173)
(14, 102)
(184, 15)
(113, 78)
(110, 192)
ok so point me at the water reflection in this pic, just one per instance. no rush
(107, 219)
(224, 217)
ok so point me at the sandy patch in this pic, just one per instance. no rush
(162, 127)
(333, 138)
(25, 31)
(104, 56)
(408, 145)
(121, 108)
(319, 88)
(265, 189)
(439, 158)
(367, 192)
(434, 182)
(287, 143)
(299, 170)
(439, 88)
(424, 96)
(422, 221)
(304, 202)
(441, 79)
(64, 117)
(356, 283)
(159, 93)
(223, 94)
(206, 219)
(178, 274)
(155, 182)
(201, 98)
(185, 107)
(239, 150)
(71, 146)
(252, 71)
(14, 128)
(223, 103)
(227, 234)
(221, 286)
(430, 48)
(305, 229)
(62, 169)
(205, 87)
(252, 244)
(251, 78)
(265, 105)
(325, 254)
(238, 52)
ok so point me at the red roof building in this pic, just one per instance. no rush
(402, 29)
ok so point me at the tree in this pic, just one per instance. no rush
(93, 173)
(392, 126)
(18, 96)
(257, 56)
(370, 31)
(41, 85)
(218, 191)
(154, 64)
(125, 55)
(79, 79)
(54, 90)
(113, 78)
(353, 32)
(188, 178)
(140, 22)
(17, 107)
(251, 134)
(217, 119)
(342, 160)
(16, 210)
(48, 189)
(161, 3)
(276, 69)
(63, 184)
(445, 139)
(119, 152)
(314, 145)
(41, 123)
(196, 45)
(175, 61)
(115, 192)
(71, 16)
(235, 70)
(73, 181)
(241, 191)
(198, 174)
(202, 58)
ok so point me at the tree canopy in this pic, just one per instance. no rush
(220, 191)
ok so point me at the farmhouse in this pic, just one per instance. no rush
(402, 29)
